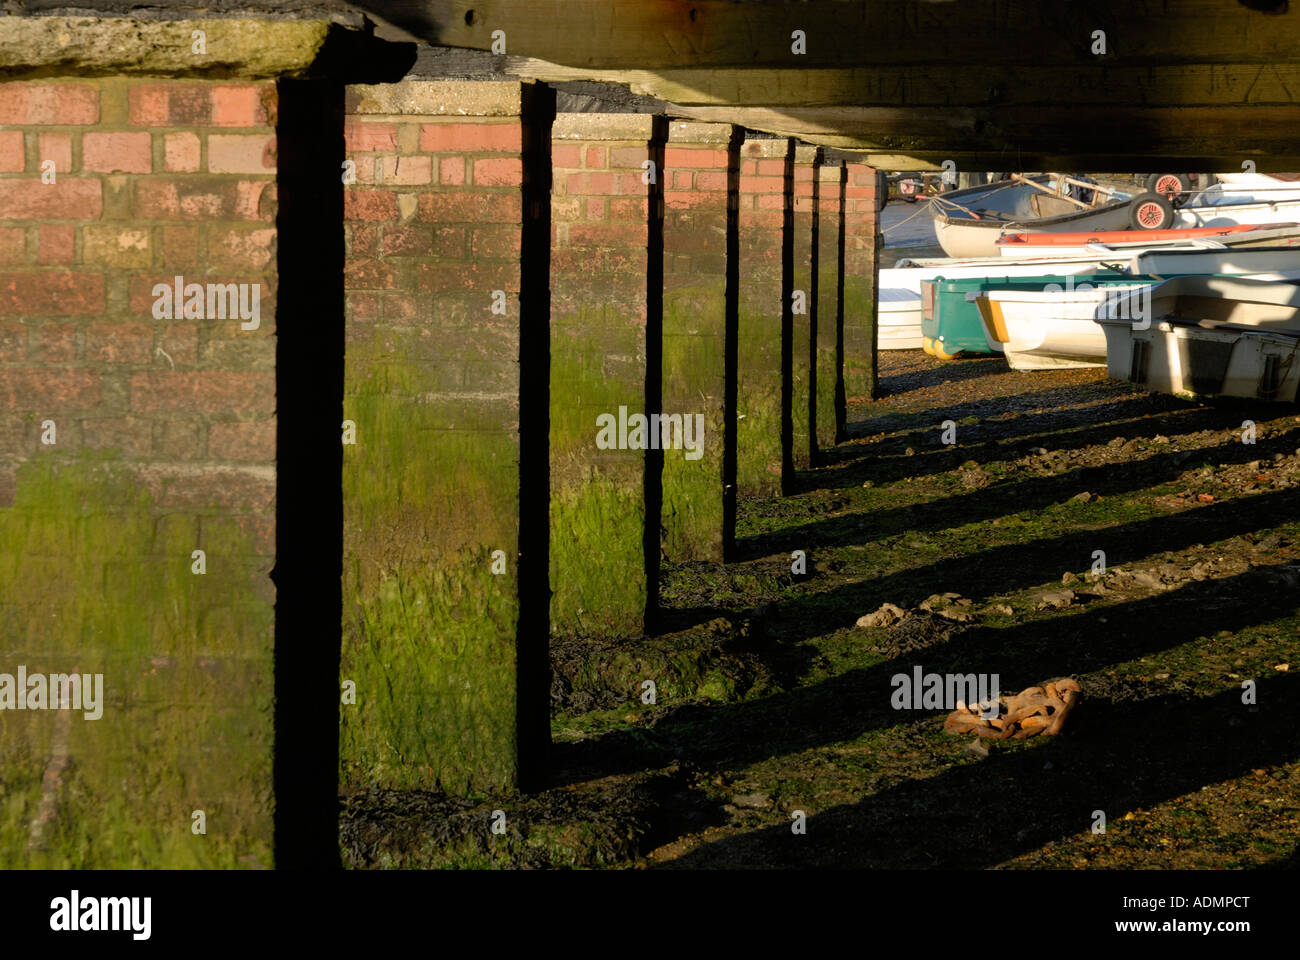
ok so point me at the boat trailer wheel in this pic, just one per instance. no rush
(1151, 211)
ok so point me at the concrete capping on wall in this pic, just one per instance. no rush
(695, 132)
(247, 48)
(604, 126)
(766, 146)
(479, 98)
(830, 173)
(807, 153)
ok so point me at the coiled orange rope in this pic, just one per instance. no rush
(1032, 711)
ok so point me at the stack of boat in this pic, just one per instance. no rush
(1207, 305)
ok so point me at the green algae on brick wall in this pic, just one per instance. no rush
(598, 506)
(95, 577)
(759, 394)
(430, 490)
(826, 373)
(802, 305)
(859, 334)
(694, 368)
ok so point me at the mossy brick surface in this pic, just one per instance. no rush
(96, 577)
(600, 264)
(828, 385)
(429, 630)
(763, 311)
(431, 486)
(860, 265)
(162, 442)
(804, 280)
(696, 492)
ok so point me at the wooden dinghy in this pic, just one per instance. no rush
(969, 222)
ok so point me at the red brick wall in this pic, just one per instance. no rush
(763, 453)
(606, 289)
(701, 167)
(134, 204)
(165, 443)
(435, 383)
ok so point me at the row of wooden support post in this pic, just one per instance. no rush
(524, 290)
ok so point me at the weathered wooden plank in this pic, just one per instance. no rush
(967, 85)
(652, 34)
(1014, 132)
(946, 85)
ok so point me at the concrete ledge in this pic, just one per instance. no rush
(692, 132)
(603, 126)
(467, 98)
(807, 153)
(830, 173)
(91, 46)
(766, 147)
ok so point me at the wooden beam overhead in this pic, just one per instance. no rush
(1225, 135)
(1004, 85)
(943, 86)
(695, 34)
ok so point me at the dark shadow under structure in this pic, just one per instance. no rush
(533, 663)
(309, 500)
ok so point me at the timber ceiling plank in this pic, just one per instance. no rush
(664, 34)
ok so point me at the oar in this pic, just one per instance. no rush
(1039, 186)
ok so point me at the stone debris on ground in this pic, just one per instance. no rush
(886, 616)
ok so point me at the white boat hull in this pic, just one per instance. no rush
(1197, 362)
(1210, 336)
(904, 283)
(899, 324)
(1225, 215)
(962, 237)
(1047, 330)
(1264, 262)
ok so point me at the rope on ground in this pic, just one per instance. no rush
(909, 217)
(1032, 711)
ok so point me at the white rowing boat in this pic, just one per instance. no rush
(1049, 328)
(1265, 263)
(1209, 336)
(898, 315)
(968, 222)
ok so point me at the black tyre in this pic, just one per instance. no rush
(1150, 211)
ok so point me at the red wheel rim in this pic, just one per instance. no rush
(1168, 185)
(1150, 215)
